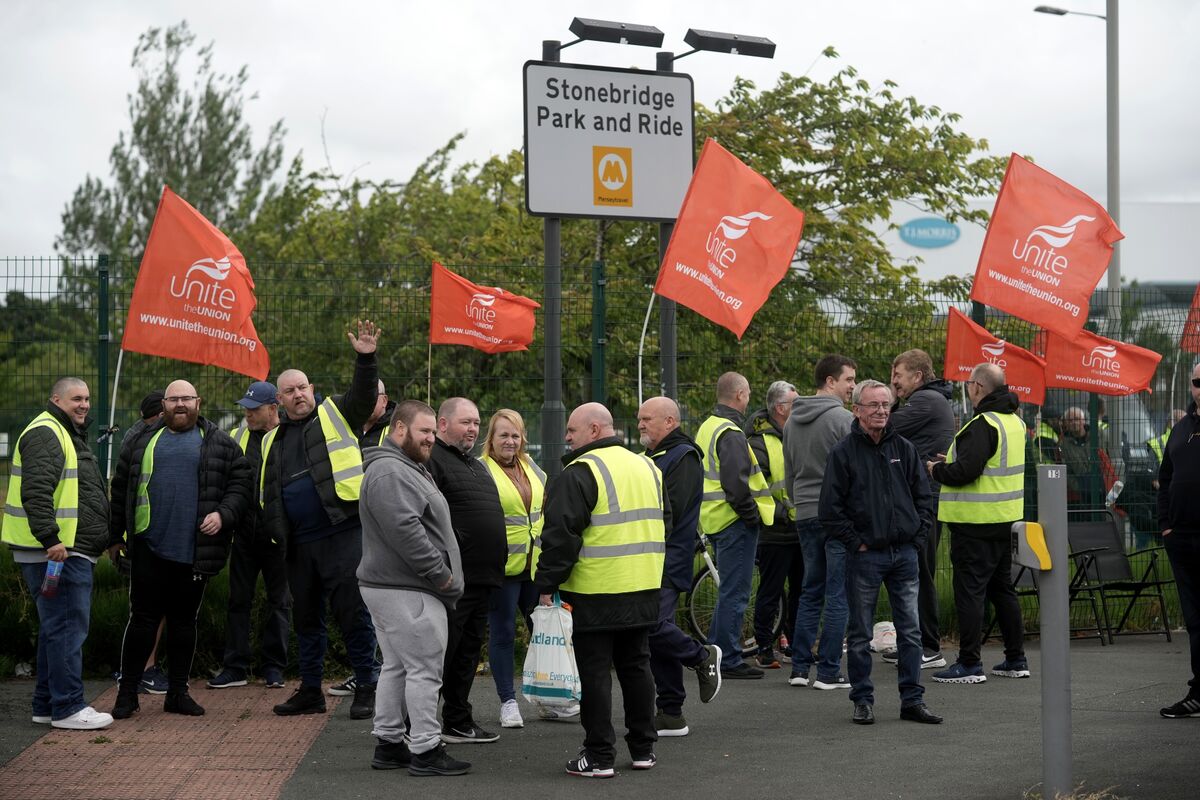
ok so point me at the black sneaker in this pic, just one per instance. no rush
(766, 660)
(829, 684)
(227, 679)
(863, 714)
(343, 689)
(154, 681)
(645, 762)
(182, 703)
(273, 677)
(127, 703)
(305, 700)
(436, 762)
(586, 767)
(743, 672)
(708, 672)
(391, 755)
(891, 655)
(1187, 707)
(670, 725)
(363, 706)
(472, 734)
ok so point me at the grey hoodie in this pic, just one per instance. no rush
(407, 538)
(816, 424)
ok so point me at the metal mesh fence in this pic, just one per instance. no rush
(50, 327)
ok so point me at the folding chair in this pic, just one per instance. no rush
(1104, 570)
(1025, 584)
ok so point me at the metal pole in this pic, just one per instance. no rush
(1114, 209)
(102, 340)
(553, 411)
(599, 339)
(1055, 634)
(667, 349)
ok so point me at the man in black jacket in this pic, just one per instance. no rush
(678, 458)
(179, 490)
(310, 478)
(1179, 521)
(982, 495)
(875, 499)
(254, 552)
(604, 553)
(483, 542)
(52, 520)
(927, 420)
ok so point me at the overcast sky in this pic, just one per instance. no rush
(393, 81)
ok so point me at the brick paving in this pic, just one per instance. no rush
(239, 750)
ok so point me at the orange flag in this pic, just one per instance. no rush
(1046, 247)
(488, 319)
(194, 295)
(1095, 364)
(968, 344)
(1190, 341)
(734, 240)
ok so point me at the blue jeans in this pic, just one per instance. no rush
(508, 598)
(824, 587)
(62, 628)
(896, 568)
(735, 547)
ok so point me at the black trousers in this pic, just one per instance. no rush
(159, 588)
(467, 626)
(249, 557)
(927, 601)
(777, 564)
(627, 652)
(983, 572)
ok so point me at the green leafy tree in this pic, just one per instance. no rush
(193, 138)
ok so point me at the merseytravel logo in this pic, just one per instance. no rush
(994, 353)
(480, 312)
(1103, 360)
(612, 176)
(201, 287)
(1040, 259)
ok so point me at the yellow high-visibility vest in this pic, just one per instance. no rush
(779, 492)
(16, 530)
(998, 494)
(344, 456)
(523, 528)
(716, 514)
(624, 546)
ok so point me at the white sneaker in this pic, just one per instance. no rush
(510, 715)
(555, 713)
(86, 719)
(38, 719)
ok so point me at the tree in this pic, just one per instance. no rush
(194, 139)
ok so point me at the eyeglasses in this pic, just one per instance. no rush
(875, 407)
(181, 399)
(968, 383)
(1196, 382)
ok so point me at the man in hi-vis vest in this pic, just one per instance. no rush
(308, 488)
(603, 546)
(982, 495)
(736, 501)
(56, 514)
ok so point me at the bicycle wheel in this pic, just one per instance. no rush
(702, 600)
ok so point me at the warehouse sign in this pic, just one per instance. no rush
(610, 143)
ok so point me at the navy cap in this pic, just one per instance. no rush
(260, 393)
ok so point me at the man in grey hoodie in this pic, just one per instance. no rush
(816, 424)
(410, 576)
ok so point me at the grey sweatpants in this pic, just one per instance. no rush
(411, 629)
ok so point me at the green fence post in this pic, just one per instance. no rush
(102, 338)
(599, 341)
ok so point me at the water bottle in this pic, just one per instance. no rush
(50, 582)
(1111, 499)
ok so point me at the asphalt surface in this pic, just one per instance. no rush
(760, 738)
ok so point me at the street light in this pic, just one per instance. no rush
(715, 42)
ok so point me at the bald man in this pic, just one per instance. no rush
(179, 490)
(603, 547)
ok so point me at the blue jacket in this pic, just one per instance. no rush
(875, 494)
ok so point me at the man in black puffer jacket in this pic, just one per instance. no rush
(181, 487)
(483, 542)
(875, 499)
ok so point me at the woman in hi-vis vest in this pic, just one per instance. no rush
(521, 485)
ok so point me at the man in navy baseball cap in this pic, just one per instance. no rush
(260, 393)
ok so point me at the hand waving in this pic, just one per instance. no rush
(367, 339)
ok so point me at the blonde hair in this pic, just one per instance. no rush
(514, 419)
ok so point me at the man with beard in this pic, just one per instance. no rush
(309, 484)
(483, 542)
(678, 458)
(56, 514)
(179, 490)
(410, 556)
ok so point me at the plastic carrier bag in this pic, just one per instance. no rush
(550, 676)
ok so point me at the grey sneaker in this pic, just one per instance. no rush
(708, 672)
(472, 734)
(670, 725)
